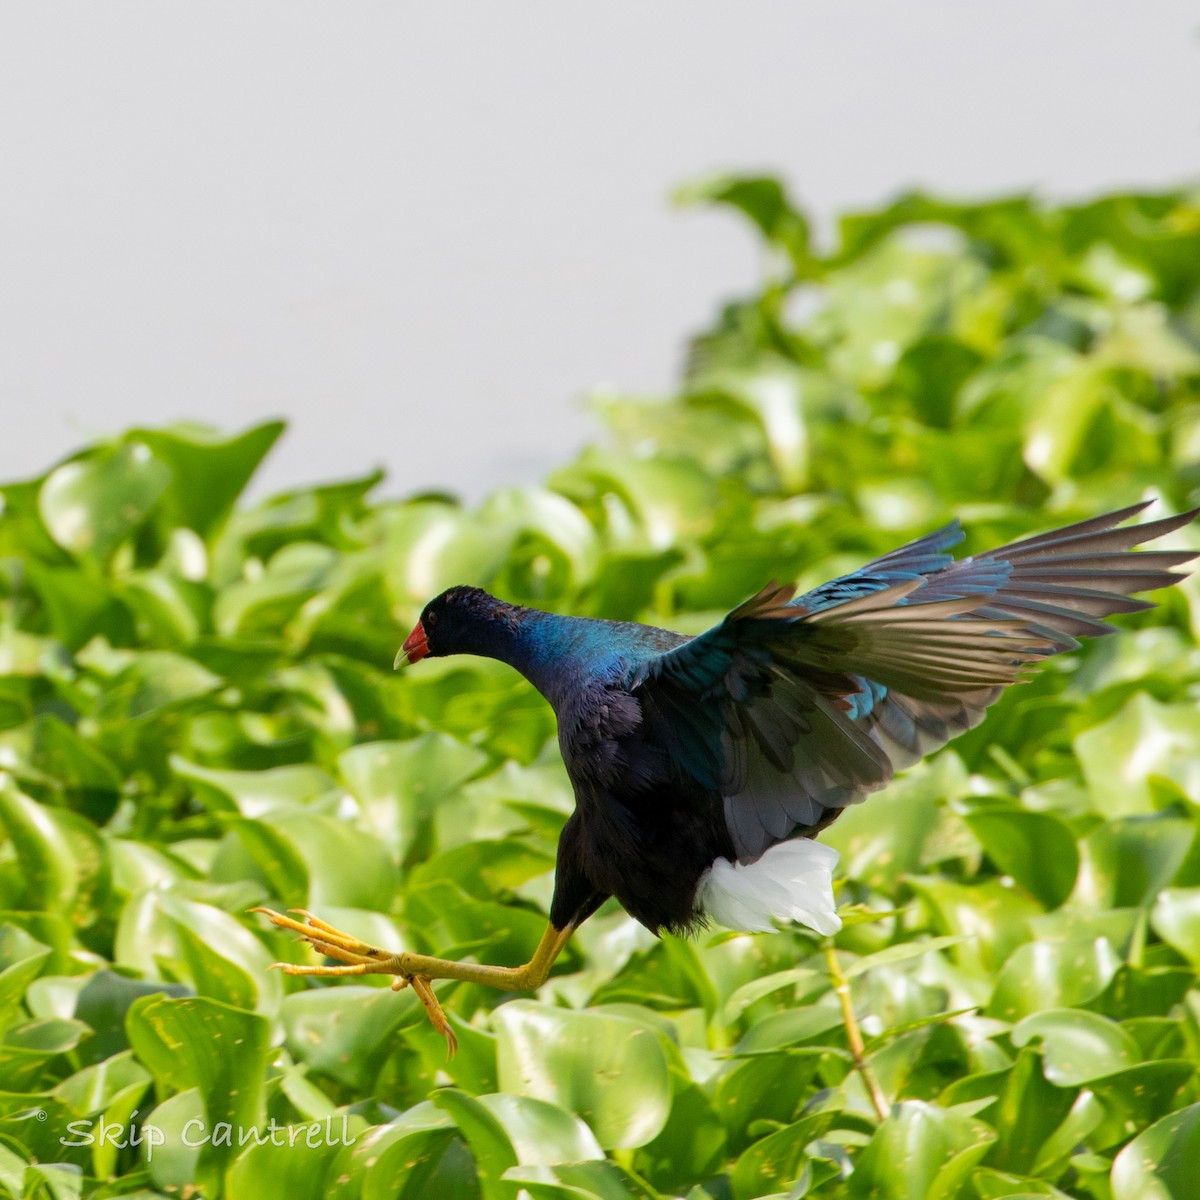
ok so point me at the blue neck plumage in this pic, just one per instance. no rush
(551, 651)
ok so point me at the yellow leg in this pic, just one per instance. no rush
(359, 958)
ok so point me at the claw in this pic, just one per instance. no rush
(433, 1010)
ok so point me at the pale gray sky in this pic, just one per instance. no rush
(423, 232)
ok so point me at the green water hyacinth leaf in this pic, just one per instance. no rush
(299, 1169)
(484, 868)
(1085, 1115)
(791, 1027)
(433, 545)
(1077, 1046)
(782, 402)
(660, 499)
(580, 1181)
(473, 1067)
(503, 1131)
(78, 606)
(218, 977)
(64, 864)
(540, 1132)
(489, 1144)
(253, 794)
(400, 785)
(804, 979)
(319, 514)
(772, 1163)
(95, 1087)
(15, 978)
(84, 775)
(28, 1051)
(1129, 860)
(168, 612)
(766, 1087)
(17, 943)
(897, 954)
(549, 526)
(344, 1032)
(58, 1182)
(136, 866)
(54, 995)
(609, 1070)
(174, 1165)
(121, 1113)
(256, 850)
(667, 976)
(1081, 409)
(264, 605)
(764, 201)
(1144, 739)
(40, 1140)
(885, 302)
(416, 1154)
(692, 1144)
(1160, 1163)
(1135, 1098)
(220, 953)
(210, 949)
(1118, 925)
(194, 1042)
(12, 1171)
(103, 1003)
(1037, 849)
(155, 681)
(342, 866)
(92, 504)
(881, 843)
(209, 470)
(990, 920)
(1043, 975)
(992, 1185)
(1176, 919)
(932, 371)
(938, 1149)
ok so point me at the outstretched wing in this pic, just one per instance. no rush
(794, 707)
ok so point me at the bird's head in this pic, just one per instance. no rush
(462, 620)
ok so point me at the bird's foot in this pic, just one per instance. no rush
(358, 958)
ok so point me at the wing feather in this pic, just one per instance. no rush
(795, 706)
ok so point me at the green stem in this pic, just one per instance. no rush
(841, 985)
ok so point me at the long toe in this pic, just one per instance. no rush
(330, 950)
(357, 957)
(313, 929)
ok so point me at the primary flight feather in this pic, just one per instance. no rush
(703, 767)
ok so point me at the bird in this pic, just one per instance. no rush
(704, 767)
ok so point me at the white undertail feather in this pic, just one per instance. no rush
(792, 881)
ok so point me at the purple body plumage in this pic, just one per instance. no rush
(690, 752)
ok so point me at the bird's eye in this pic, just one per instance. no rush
(431, 620)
